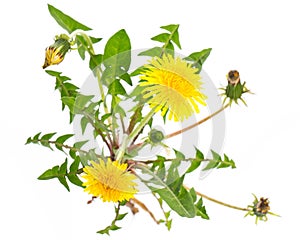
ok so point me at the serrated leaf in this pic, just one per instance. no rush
(65, 21)
(182, 203)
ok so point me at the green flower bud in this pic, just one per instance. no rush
(235, 89)
(56, 52)
(156, 136)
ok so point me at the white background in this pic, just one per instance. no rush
(259, 38)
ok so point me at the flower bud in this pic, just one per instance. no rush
(262, 207)
(156, 136)
(235, 89)
(56, 52)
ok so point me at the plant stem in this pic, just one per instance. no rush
(197, 123)
(127, 140)
(217, 201)
(91, 51)
(144, 207)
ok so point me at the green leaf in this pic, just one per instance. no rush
(95, 61)
(199, 57)
(193, 194)
(181, 203)
(121, 216)
(72, 175)
(179, 155)
(78, 145)
(163, 37)
(160, 165)
(196, 163)
(62, 172)
(175, 39)
(171, 28)
(60, 140)
(126, 77)
(83, 123)
(152, 52)
(45, 140)
(49, 174)
(75, 180)
(215, 161)
(36, 137)
(117, 56)
(63, 181)
(174, 36)
(116, 88)
(63, 168)
(227, 163)
(81, 101)
(65, 21)
(201, 211)
(69, 101)
(48, 136)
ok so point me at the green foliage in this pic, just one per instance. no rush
(84, 44)
(198, 58)
(113, 226)
(62, 174)
(68, 91)
(218, 162)
(165, 177)
(168, 184)
(65, 21)
(116, 57)
(168, 40)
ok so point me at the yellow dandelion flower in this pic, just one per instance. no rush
(56, 52)
(110, 181)
(172, 85)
